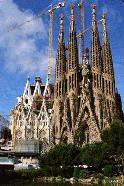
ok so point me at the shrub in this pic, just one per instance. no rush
(62, 155)
(80, 173)
(95, 155)
(109, 170)
(114, 137)
(83, 174)
(76, 172)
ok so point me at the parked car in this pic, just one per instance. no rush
(18, 166)
(33, 166)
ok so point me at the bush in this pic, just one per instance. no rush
(80, 173)
(62, 155)
(114, 137)
(95, 155)
(83, 174)
(109, 170)
(76, 172)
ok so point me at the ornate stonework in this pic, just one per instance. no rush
(87, 103)
(32, 117)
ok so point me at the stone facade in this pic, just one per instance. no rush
(31, 116)
(84, 94)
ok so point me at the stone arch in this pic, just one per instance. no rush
(65, 135)
(82, 134)
(44, 144)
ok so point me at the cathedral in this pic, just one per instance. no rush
(83, 100)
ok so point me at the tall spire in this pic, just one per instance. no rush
(61, 32)
(106, 51)
(61, 56)
(81, 47)
(72, 44)
(60, 87)
(95, 42)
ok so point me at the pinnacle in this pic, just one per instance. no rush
(93, 7)
(104, 15)
(72, 9)
(61, 16)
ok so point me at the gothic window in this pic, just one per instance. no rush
(65, 135)
(57, 90)
(97, 81)
(109, 88)
(56, 129)
(100, 81)
(37, 132)
(20, 123)
(72, 81)
(19, 117)
(106, 86)
(103, 81)
(69, 82)
(60, 69)
(75, 81)
(25, 111)
(26, 101)
(43, 109)
(25, 131)
(94, 80)
(65, 85)
(107, 103)
(60, 89)
(87, 135)
(43, 117)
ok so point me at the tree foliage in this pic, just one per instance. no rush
(61, 155)
(104, 157)
(114, 137)
(60, 160)
(6, 133)
(95, 155)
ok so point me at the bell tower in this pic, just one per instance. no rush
(72, 56)
(108, 72)
(96, 66)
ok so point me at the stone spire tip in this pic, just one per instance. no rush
(61, 16)
(72, 8)
(93, 6)
(104, 15)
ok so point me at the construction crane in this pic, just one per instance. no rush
(87, 29)
(81, 36)
(51, 12)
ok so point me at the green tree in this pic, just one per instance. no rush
(110, 170)
(114, 137)
(6, 133)
(61, 155)
(95, 155)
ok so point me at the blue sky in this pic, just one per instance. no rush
(23, 51)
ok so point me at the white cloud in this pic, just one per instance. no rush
(20, 48)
